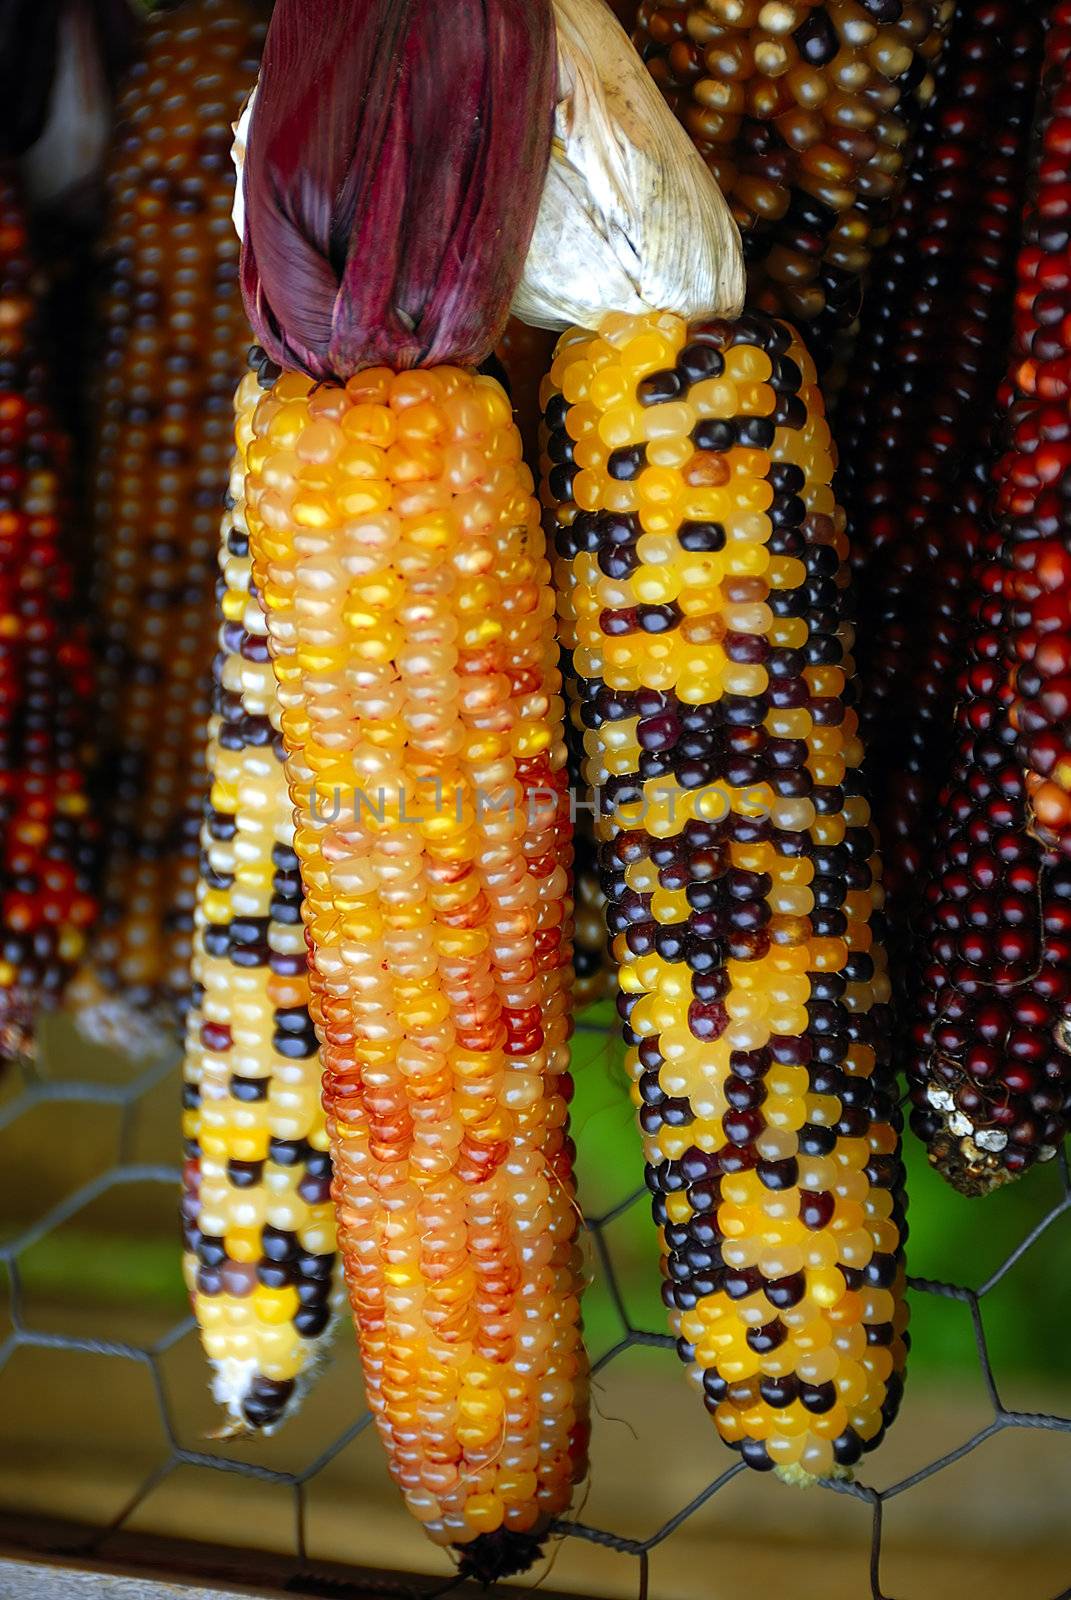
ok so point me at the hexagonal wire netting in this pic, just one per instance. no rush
(127, 1099)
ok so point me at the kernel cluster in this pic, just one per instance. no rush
(702, 568)
(805, 112)
(46, 836)
(173, 335)
(261, 1263)
(397, 550)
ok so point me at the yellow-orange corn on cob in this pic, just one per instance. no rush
(46, 834)
(397, 549)
(260, 1261)
(173, 330)
(805, 112)
(701, 568)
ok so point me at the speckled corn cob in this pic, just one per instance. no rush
(260, 1230)
(1032, 507)
(46, 836)
(173, 331)
(702, 568)
(804, 110)
(990, 1076)
(397, 549)
(914, 413)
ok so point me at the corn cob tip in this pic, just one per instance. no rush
(16, 1028)
(798, 1477)
(502, 1554)
(106, 1019)
(968, 1168)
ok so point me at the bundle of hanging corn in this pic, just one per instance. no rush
(805, 111)
(172, 332)
(916, 410)
(46, 838)
(990, 1075)
(702, 573)
(390, 188)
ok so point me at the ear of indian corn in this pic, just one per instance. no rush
(804, 111)
(701, 569)
(173, 332)
(260, 1262)
(913, 416)
(1032, 476)
(46, 836)
(397, 550)
(990, 1074)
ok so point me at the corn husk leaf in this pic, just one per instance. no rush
(631, 219)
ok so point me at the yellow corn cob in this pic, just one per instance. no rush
(701, 572)
(397, 550)
(173, 329)
(260, 1256)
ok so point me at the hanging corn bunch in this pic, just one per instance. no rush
(914, 413)
(259, 1226)
(805, 112)
(397, 550)
(173, 331)
(701, 572)
(991, 1072)
(46, 837)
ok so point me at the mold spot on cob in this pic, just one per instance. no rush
(701, 574)
(397, 551)
(172, 332)
(261, 1262)
(47, 838)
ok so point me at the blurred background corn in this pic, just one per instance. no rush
(914, 415)
(1032, 477)
(172, 332)
(805, 111)
(701, 569)
(260, 1261)
(46, 836)
(397, 549)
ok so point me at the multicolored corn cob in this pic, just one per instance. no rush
(46, 835)
(915, 410)
(701, 569)
(174, 333)
(990, 1077)
(1032, 507)
(261, 1264)
(397, 550)
(805, 112)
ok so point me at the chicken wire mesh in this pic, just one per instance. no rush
(63, 1100)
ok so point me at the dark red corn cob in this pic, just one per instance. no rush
(46, 838)
(926, 366)
(989, 1075)
(1033, 503)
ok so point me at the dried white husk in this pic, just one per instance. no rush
(240, 129)
(631, 218)
(67, 158)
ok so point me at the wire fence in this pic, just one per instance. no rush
(129, 1098)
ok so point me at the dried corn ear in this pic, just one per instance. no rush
(46, 835)
(915, 411)
(990, 1074)
(173, 334)
(397, 550)
(261, 1263)
(805, 112)
(1032, 507)
(701, 569)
